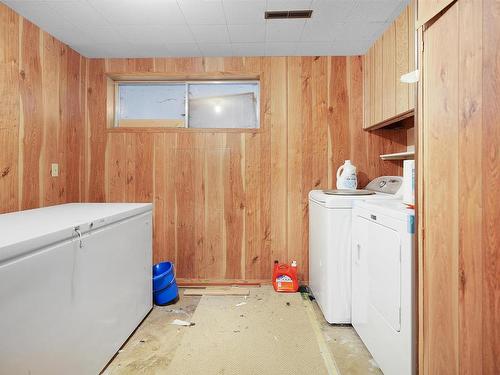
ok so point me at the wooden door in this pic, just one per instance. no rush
(458, 163)
(440, 165)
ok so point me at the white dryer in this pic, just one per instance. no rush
(330, 223)
(383, 291)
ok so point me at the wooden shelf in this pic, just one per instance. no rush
(395, 122)
(399, 156)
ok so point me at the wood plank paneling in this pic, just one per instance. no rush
(9, 134)
(490, 165)
(32, 115)
(227, 204)
(402, 25)
(96, 133)
(441, 268)
(469, 146)
(278, 133)
(378, 84)
(297, 204)
(41, 118)
(389, 72)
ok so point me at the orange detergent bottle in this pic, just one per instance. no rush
(285, 277)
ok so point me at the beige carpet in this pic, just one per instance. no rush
(271, 333)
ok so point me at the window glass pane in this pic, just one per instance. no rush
(152, 104)
(224, 105)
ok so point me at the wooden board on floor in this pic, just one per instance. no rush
(217, 292)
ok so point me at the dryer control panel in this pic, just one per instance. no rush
(386, 184)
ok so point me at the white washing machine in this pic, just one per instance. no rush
(383, 290)
(330, 220)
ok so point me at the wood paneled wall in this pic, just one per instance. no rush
(228, 204)
(42, 83)
(459, 177)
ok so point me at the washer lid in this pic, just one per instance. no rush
(348, 192)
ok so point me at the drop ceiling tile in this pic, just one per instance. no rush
(281, 49)
(374, 11)
(70, 35)
(40, 13)
(127, 28)
(397, 11)
(150, 50)
(288, 4)
(288, 30)
(249, 49)
(78, 13)
(332, 11)
(244, 12)
(156, 34)
(314, 48)
(143, 12)
(210, 33)
(316, 31)
(247, 33)
(199, 12)
(103, 34)
(216, 49)
(184, 49)
(27, 1)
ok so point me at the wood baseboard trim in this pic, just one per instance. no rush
(201, 283)
(204, 283)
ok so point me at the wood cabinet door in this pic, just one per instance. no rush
(386, 98)
(378, 89)
(402, 60)
(430, 8)
(412, 53)
(389, 73)
(366, 89)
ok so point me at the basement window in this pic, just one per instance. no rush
(186, 104)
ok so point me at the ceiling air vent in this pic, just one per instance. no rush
(285, 14)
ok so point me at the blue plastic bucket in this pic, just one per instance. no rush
(164, 286)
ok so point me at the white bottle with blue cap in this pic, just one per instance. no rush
(346, 176)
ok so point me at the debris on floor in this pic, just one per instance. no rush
(240, 304)
(177, 311)
(178, 322)
(160, 347)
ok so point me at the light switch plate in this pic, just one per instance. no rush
(54, 171)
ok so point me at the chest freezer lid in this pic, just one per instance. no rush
(26, 231)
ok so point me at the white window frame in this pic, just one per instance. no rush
(186, 83)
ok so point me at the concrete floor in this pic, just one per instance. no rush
(151, 348)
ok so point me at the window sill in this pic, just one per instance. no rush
(183, 130)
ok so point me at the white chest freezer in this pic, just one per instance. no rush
(75, 281)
